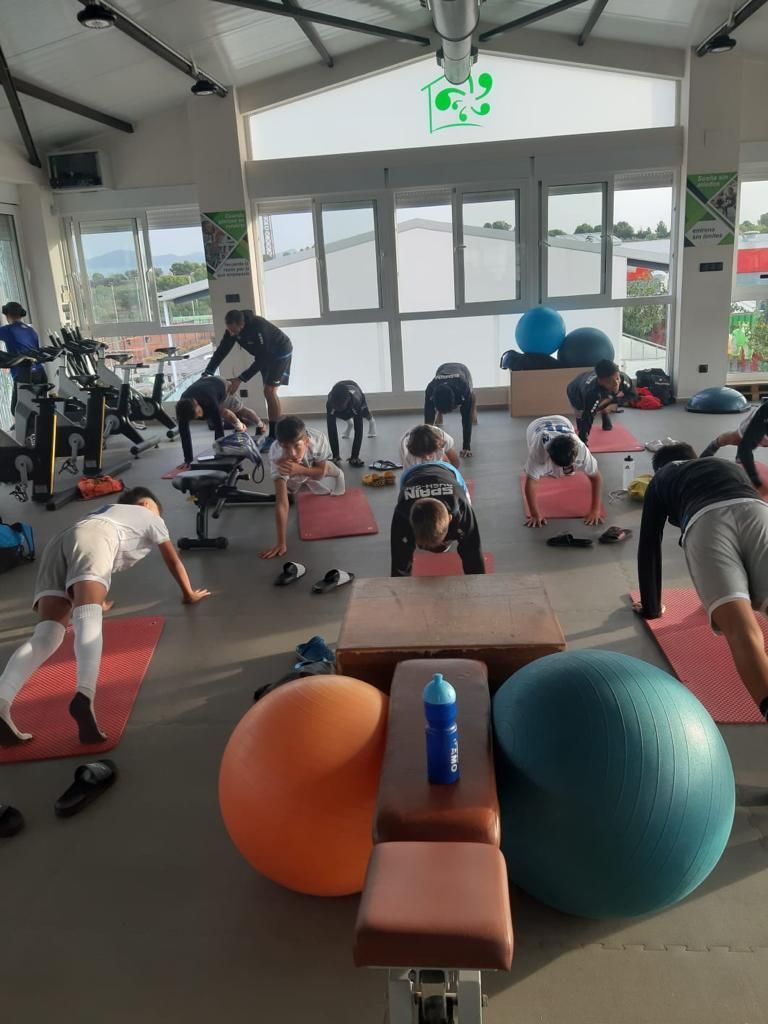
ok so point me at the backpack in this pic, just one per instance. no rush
(645, 400)
(658, 383)
(17, 545)
(239, 443)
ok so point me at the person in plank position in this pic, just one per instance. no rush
(73, 581)
(433, 512)
(555, 450)
(271, 350)
(597, 392)
(427, 444)
(207, 399)
(724, 527)
(299, 458)
(451, 388)
(751, 433)
(346, 401)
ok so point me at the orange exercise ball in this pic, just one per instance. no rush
(299, 781)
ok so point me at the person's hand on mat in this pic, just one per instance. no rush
(274, 552)
(638, 609)
(193, 596)
(465, 453)
(593, 518)
(534, 520)
(233, 384)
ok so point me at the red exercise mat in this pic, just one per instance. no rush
(427, 564)
(41, 706)
(700, 659)
(567, 497)
(617, 440)
(174, 472)
(322, 516)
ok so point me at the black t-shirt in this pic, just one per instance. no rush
(585, 395)
(676, 493)
(354, 407)
(260, 338)
(457, 377)
(209, 393)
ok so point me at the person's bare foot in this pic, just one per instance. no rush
(10, 736)
(81, 709)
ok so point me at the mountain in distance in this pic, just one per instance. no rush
(120, 260)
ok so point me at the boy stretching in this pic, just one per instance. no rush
(751, 433)
(451, 388)
(427, 444)
(73, 581)
(207, 399)
(346, 401)
(724, 526)
(597, 391)
(433, 512)
(555, 450)
(299, 458)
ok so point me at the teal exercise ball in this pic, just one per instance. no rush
(616, 789)
(585, 346)
(540, 331)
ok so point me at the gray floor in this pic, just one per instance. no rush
(141, 908)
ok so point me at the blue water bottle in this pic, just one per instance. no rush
(442, 733)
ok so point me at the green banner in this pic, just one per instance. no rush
(710, 208)
(225, 239)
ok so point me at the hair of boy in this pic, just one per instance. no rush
(135, 495)
(429, 520)
(234, 316)
(563, 450)
(185, 410)
(606, 368)
(423, 440)
(290, 429)
(444, 398)
(678, 452)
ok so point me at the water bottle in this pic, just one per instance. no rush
(442, 733)
(629, 472)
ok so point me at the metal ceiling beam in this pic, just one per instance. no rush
(311, 33)
(529, 19)
(594, 16)
(155, 45)
(739, 17)
(296, 12)
(65, 103)
(15, 103)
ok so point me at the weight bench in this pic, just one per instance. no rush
(435, 907)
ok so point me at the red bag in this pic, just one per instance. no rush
(98, 486)
(645, 400)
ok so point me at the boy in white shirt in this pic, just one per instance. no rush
(72, 584)
(427, 444)
(555, 450)
(299, 458)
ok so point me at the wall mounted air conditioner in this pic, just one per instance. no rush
(84, 171)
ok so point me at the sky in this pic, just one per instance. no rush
(166, 241)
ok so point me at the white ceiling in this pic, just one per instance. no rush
(43, 42)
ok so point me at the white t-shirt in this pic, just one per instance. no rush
(414, 460)
(539, 436)
(318, 450)
(138, 531)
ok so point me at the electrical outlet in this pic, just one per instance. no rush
(703, 367)
(243, 392)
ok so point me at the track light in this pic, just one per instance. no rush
(722, 43)
(96, 16)
(203, 87)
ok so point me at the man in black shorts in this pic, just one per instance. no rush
(207, 399)
(271, 351)
(451, 388)
(751, 433)
(433, 512)
(724, 525)
(346, 401)
(597, 391)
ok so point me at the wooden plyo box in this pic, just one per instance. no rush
(505, 621)
(541, 392)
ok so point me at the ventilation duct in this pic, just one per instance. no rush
(455, 21)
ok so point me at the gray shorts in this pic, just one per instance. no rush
(85, 552)
(234, 403)
(726, 549)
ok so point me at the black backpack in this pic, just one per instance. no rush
(658, 383)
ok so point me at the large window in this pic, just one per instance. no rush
(575, 256)
(748, 326)
(425, 251)
(12, 288)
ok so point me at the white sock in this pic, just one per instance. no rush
(371, 427)
(86, 622)
(338, 486)
(28, 658)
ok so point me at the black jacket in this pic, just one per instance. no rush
(354, 408)
(260, 338)
(457, 377)
(210, 393)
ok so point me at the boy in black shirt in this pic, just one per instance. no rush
(433, 510)
(207, 399)
(451, 388)
(346, 401)
(724, 526)
(751, 433)
(596, 391)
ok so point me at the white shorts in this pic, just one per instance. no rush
(87, 551)
(233, 403)
(726, 549)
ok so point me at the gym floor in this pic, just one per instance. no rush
(142, 909)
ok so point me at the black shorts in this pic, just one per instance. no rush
(277, 372)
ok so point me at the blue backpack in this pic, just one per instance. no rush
(17, 545)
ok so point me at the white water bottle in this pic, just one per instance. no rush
(629, 472)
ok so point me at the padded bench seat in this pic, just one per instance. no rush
(440, 905)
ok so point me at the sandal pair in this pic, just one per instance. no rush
(385, 479)
(613, 535)
(293, 571)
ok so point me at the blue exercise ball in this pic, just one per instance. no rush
(585, 346)
(541, 330)
(616, 789)
(717, 400)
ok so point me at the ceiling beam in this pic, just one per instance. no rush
(296, 12)
(15, 103)
(529, 19)
(161, 49)
(739, 17)
(65, 103)
(311, 33)
(594, 16)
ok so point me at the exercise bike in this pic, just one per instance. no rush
(152, 407)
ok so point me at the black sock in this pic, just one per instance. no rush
(764, 707)
(272, 425)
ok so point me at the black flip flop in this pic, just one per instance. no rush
(292, 571)
(91, 780)
(332, 580)
(11, 821)
(567, 540)
(615, 535)
(356, 463)
(381, 465)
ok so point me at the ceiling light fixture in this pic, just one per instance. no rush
(203, 87)
(96, 16)
(722, 43)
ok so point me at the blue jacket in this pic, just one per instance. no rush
(19, 339)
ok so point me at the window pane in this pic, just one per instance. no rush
(752, 254)
(289, 273)
(324, 354)
(642, 247)
(113, 272)
(11, 278)
(748, 339)
(196, 344)
(574, 243)
(639, 334)
(424, 252)
(181, 279)
(490, 237)
(428, 343)
(351, 264)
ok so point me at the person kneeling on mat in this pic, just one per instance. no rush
(555, 450)
(299, 458)
(427, 444)
(751, 433)
(724, 526)
(346, 401)
(434, 512)
(597, 391)
(207, 399)
(451, 388)
(73, 581)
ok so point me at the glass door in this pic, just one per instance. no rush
(575, 240)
